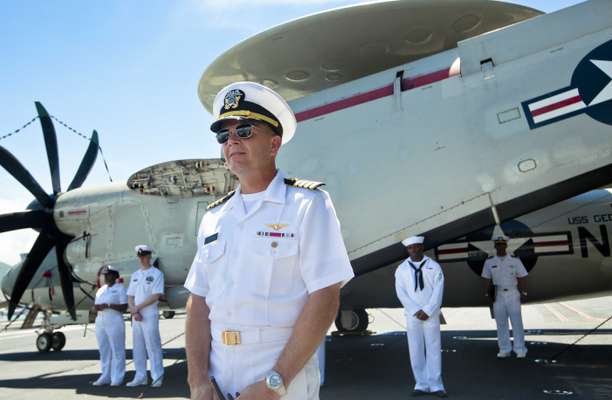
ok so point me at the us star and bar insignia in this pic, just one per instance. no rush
(590, 92)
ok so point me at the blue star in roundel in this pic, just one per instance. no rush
(593, 78)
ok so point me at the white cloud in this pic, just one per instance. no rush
(12, 244)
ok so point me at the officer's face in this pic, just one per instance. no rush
(110, 278)
(501, 248)
(145, 260)
(415, 250)
(255, 153)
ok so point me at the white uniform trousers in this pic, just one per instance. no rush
(235, 367)
(147, 342)
(508, 305)
(110, 333)
(424, 346)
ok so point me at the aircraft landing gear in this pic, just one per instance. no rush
(58, 341)
(354, 322)
(168, 314)
(43, 342)
(49, 339)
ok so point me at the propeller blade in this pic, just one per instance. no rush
(18, 171)
(25, 219)
(65, 272)
(51, 143)
(87, 163)
(30, 265)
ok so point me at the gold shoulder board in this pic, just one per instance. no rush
(220, 201)
(303, 183)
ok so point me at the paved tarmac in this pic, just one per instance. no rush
(368, 367)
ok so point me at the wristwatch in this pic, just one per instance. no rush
(274, 382)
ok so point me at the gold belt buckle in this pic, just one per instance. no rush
(231, 338)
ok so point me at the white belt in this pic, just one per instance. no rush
(233, 336)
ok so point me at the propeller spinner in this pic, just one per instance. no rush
(40, 212)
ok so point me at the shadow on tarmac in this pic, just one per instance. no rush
(78, 355)
(378, 367)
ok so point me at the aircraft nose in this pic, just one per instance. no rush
(7, 284)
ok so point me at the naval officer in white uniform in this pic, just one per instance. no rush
(508, 274)
(419, 283)
(145, 289)
(266, 279)
(110, 304)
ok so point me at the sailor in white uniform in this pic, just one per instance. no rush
(266, 279)
(419, 283)
(146, 287)
(508, 274)
(110, 304)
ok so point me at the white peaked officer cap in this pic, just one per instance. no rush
(501, 239)
(109, 268)
(143, 249)
(254, 102)
(413, 240)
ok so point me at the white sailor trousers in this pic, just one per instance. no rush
(110, 334)
(424, 346)
(508, 306)
(236, 367)
(147, 343)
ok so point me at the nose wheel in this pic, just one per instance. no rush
(48, 341)
(43, 342)
(168, 314)
(353, 322)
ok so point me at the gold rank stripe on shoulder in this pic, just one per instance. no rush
(220, 201)
(303, 183)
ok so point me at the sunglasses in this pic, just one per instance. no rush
(242, 131)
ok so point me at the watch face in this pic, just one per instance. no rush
(275, 381)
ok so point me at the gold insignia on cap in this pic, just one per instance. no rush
(277, 227)
(232, 99)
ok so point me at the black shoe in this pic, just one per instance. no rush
(417, 392)
(440, 393)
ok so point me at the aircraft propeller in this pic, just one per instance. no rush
(39, 214)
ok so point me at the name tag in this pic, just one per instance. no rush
(211, 238)
(493, 266)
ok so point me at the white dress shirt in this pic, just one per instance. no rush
(143, 284)
(428, 299)
(504, 271)
(115, 294)
(257, 268)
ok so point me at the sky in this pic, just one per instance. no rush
(128, 69)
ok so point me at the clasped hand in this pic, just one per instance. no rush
(421, 315)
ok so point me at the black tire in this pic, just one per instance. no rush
(359, 321)
(58, 341)
(168, 314)
(43, 342)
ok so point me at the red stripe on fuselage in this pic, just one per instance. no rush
(453, 251)
(407, 84)
(556, 106)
